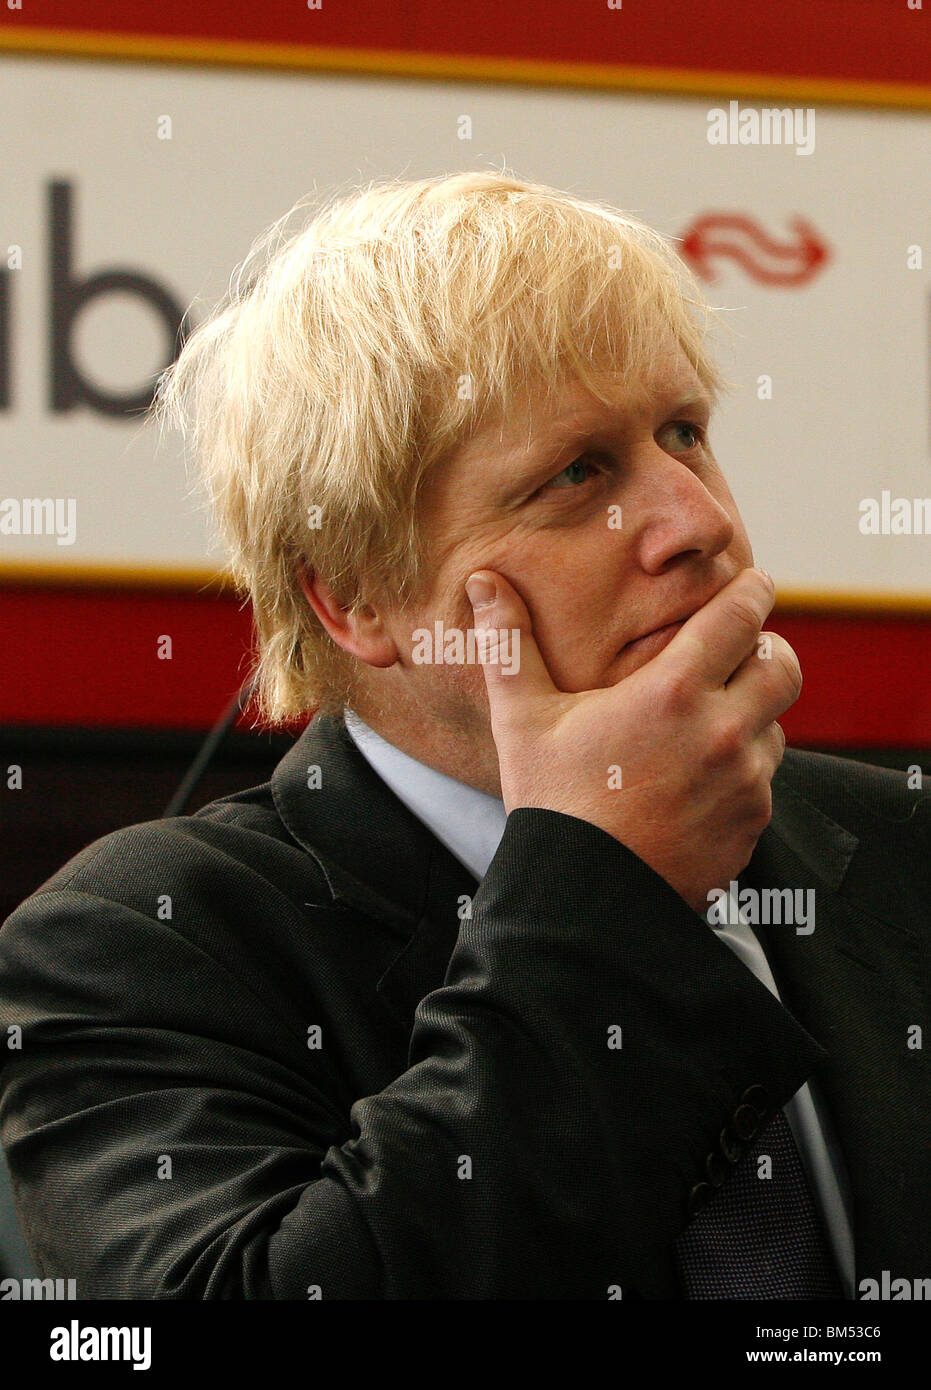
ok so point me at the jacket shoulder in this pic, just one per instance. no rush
(225, 896)
(234, 840)
(853, 793)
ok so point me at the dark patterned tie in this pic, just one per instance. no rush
(757, 1237)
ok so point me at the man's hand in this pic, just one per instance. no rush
(692, 732)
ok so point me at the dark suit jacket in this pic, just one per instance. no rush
(463, 1129)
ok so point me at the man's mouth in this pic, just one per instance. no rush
(652, 643)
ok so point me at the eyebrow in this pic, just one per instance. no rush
(563, 433)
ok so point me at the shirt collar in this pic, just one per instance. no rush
(469, 822)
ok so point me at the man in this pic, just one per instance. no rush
(443, 1010)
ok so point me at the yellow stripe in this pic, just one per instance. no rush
(459, 67)
(854, 601)
(49, 575)
(192, 578)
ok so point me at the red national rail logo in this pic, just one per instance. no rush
(785, 264)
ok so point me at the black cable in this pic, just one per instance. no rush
(208, 748)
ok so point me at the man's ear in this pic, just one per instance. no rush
(362, 633)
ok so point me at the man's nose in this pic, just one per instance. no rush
(678, 516)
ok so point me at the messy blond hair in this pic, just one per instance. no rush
(348, 358)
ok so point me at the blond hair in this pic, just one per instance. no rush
(347, 359)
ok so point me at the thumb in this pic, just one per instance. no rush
(513, 665)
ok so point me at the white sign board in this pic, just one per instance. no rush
(816, 224)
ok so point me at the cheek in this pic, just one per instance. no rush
(569, 582)
(575, 624)
(578, 583)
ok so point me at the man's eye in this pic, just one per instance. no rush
(578, 471)
(690, 436)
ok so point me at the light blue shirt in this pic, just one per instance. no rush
(470, 823)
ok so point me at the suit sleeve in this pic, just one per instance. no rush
(564, 1085)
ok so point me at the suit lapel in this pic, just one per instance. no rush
(378, 857)
(855, 984)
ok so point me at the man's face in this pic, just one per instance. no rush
(541, 508)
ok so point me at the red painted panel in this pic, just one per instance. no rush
(867, 680)
(877, 40)
(89, 658)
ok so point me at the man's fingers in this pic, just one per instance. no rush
(770, 679)
(514, 668)
(773, 740)
(716, 639)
